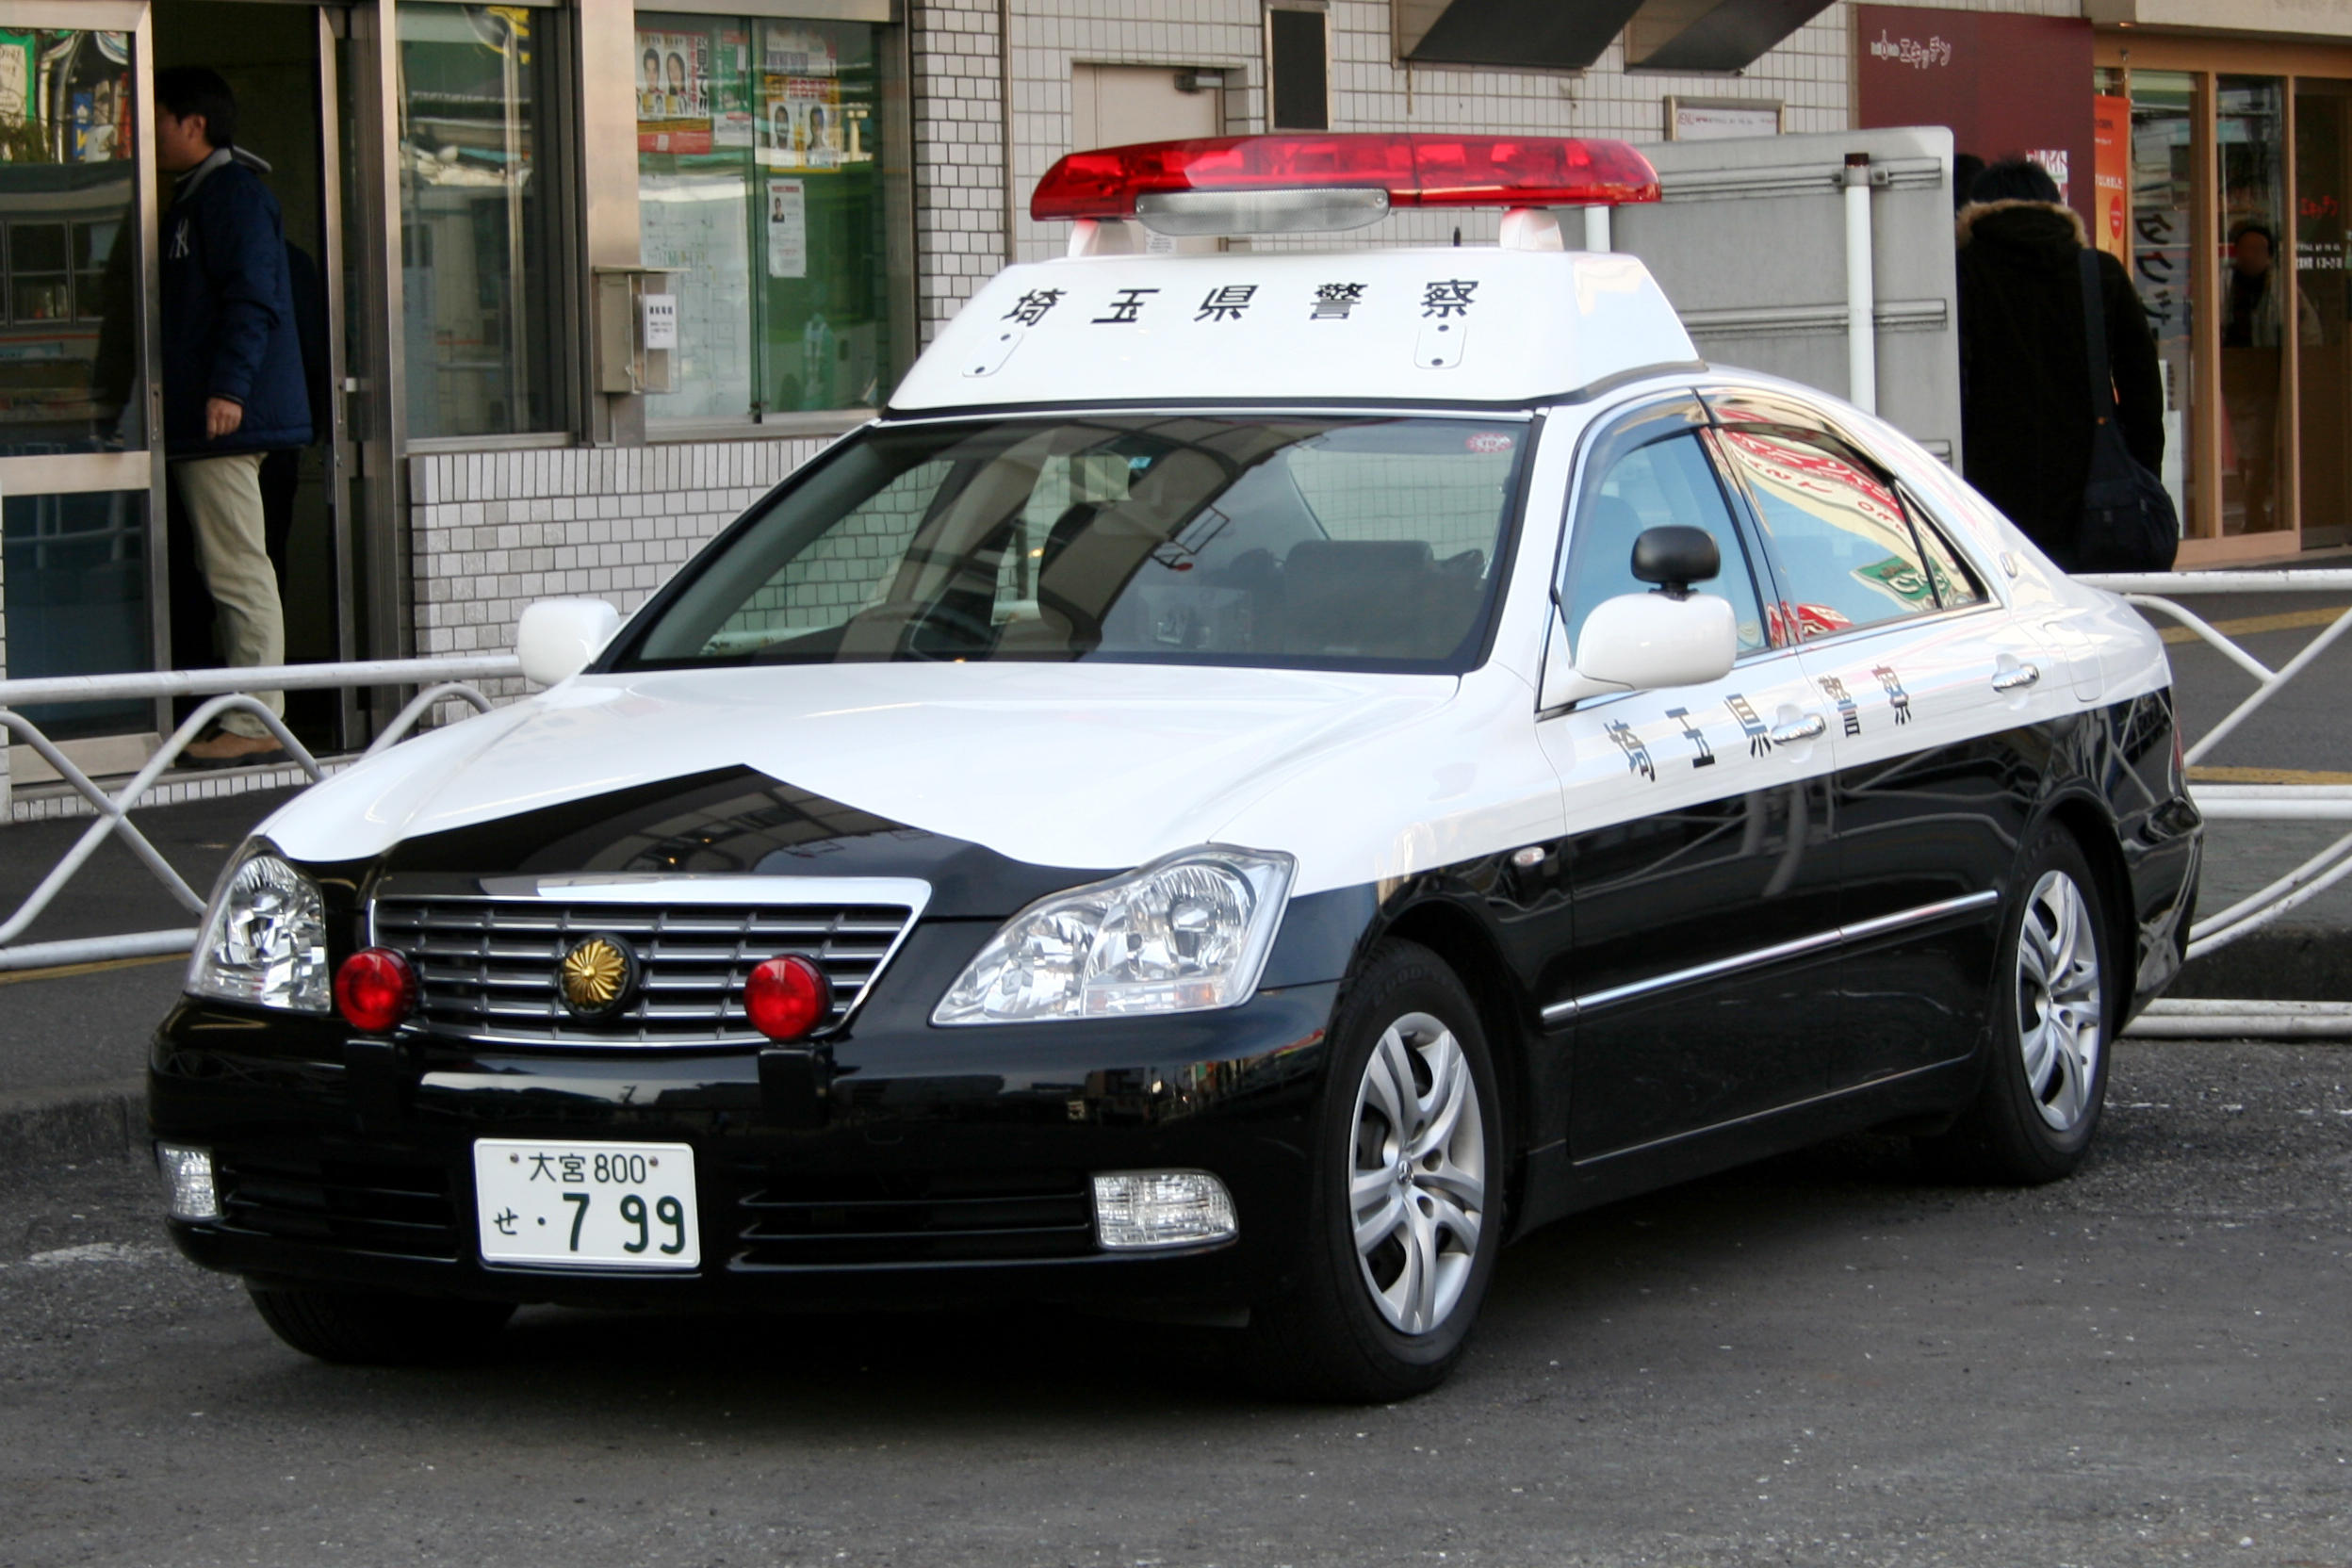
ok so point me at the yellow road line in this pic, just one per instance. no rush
(2250, 625)
(2266, 776)
(59, 972)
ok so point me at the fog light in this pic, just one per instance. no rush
(188, 1182)
(1162, 1208)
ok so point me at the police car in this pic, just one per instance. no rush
(1265, 775)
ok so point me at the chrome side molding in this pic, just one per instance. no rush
(1821, 940)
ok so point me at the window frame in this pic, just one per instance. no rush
(1321, 9)
(1618, 436)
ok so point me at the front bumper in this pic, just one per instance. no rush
(944, 1165)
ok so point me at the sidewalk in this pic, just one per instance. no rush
(74, 1041)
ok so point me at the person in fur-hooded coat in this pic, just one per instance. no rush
(2025, 389)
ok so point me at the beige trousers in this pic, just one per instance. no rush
(222, 496)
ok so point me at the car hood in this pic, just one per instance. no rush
(1096, 765)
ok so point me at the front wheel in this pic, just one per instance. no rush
(2054, 995)
(1407, 1209)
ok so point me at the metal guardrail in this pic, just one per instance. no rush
(2198, 1017)
(444, 681)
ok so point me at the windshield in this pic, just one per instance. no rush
(1306, 542)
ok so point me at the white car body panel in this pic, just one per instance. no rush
(1529, 325)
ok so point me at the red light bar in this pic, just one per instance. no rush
(1414, 170)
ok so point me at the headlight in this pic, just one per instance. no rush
(1184, 934)
(265, 939)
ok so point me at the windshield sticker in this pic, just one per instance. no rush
(1489, 441)
(1697, 737)
(1125, 308)
(1228, 303)
(1334, 301)
(1637, 755)
(1033, 305)
(1449, 297)
(1759, 740)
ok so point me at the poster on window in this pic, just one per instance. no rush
(802, 126)
(673, 92)
(734, 81)
(17, 103)
(797, 49)
(788, 229)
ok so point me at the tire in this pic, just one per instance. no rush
(380, 1328)
(1391, 1320)
(2049, 1021)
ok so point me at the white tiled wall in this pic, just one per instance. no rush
(494, 531)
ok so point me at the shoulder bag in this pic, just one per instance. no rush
(2129, 522)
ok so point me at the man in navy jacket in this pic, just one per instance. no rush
(232, 383)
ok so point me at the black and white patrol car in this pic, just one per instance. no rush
(1262, 777)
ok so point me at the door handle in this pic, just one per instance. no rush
(2018, 679)
(1806, 729)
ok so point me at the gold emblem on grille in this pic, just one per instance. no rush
(596, 975)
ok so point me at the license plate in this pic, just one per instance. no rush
(586, 1205)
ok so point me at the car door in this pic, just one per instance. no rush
(1926, 677)
(1698, 849)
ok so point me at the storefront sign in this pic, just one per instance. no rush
(2007, 84)
(1720, 119)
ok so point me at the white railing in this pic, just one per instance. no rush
(443, 679)
(2322, 802)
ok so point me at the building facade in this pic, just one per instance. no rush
(587, 277)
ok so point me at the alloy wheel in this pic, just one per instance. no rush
(1417, 1174)
(2061, 1017)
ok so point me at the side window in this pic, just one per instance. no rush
(1666, 482)
(1837, 532)
(1956, 585)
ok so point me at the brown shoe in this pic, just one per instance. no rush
(230, 750)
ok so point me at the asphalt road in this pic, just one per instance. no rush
(1823, 1360)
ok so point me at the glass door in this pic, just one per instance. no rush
(2323, 225)
(280, 62)
(79, 575)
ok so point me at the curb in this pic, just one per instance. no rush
(49, 1127)
(2283, 963)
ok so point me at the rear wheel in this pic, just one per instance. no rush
(1407, 1210)
(2053, 993)
(380, 1328)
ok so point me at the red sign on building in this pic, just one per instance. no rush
(2005, 84)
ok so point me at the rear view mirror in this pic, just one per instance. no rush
(558, 637)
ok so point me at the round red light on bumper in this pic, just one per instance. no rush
(375, 989)
(787, 997)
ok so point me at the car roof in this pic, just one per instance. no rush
(1421, 326)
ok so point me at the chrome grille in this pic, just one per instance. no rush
(487, 967)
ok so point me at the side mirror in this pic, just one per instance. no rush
(558, 637)
(1641, 642)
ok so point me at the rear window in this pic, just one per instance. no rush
(1318, 543)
